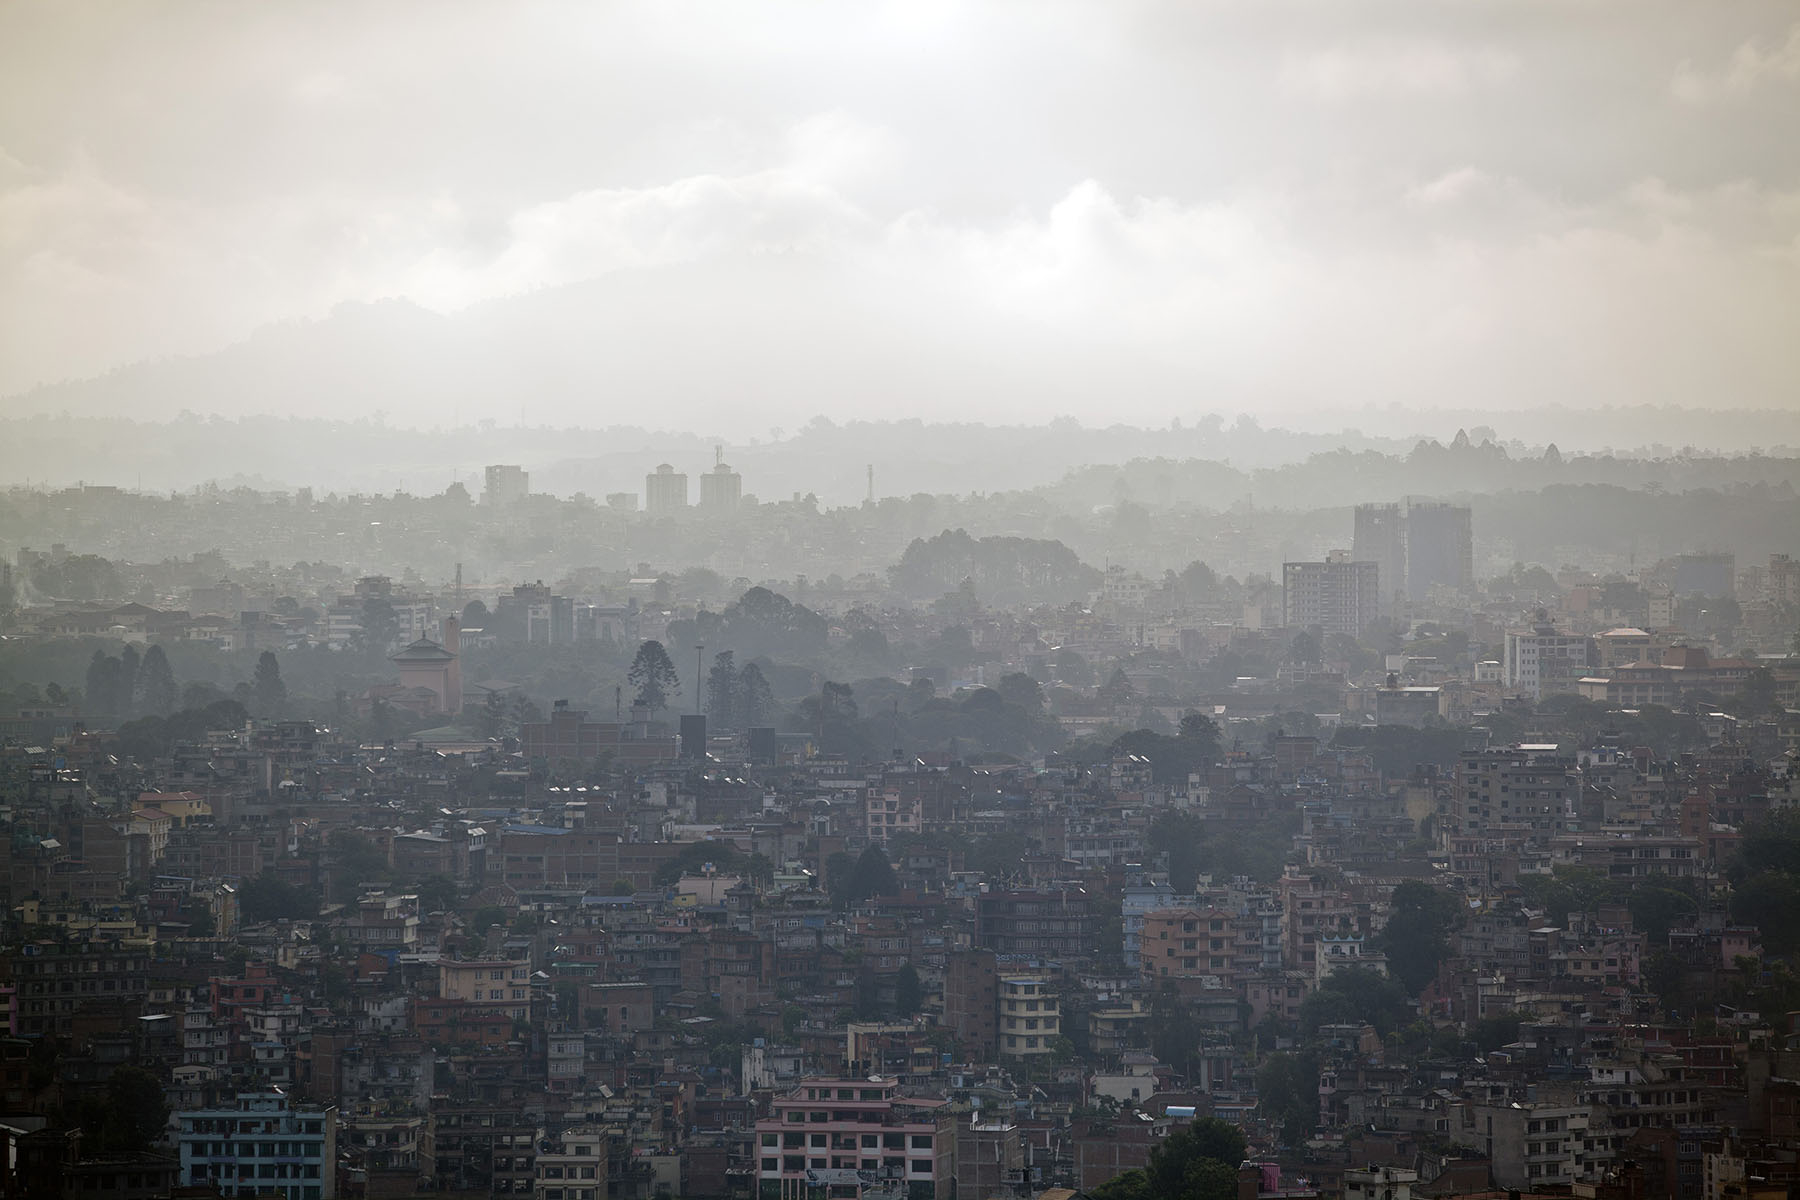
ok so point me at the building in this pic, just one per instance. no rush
(665, 492)
(848, 1136)
(1187, 943)
(1337, 595)
(435, 667)
(1050, 923)
(573, 1167)
(262, 1145)
(1705, 575)
(990, 1158)
(1380, 538)
(972, 1002)
(1540, 661)
(500, 984)
(57, 981)
(1528, 791)
(1030, 1018)
(1415, 706)
(1440, 549)
(505, 485)
(1380, 1183)
(1529, 1145)
(721, 490)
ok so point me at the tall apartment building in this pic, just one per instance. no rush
(665, 491)
(1030, 1016)
(1440, 548)
(505, 484)
(852, 1135)
(972, 1002)
(55, 981)
(721, 490)
(1380, 538)
(1338, 595)
(1540, 661)
(1050, 923)
(1529, 791)
(1705, 575)
(261, 1145)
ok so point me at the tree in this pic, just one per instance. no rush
(1174, 1031)
(267, 898)
(1198, 1162)
(1073, 669)
(126, 694)
(851, 881)
(102, 687)
(1287, 1093)
(654, 677)
(721, 691)
(1654, 908)
(267, 691)
(156, 688)
(1305, 649)
(134, 1112)
(1356, 995)
(755, 699)
(837, 702)
(380, 623)
(909, 993)
(438, 893)
(475, 615)
(1416, 938)
(1757, 695)
(1022, 690)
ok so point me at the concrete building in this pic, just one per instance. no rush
(261, 1145)
(972, 1002)
(851, 1136)
(500, 984)
(574, 1165)
(721, 490)
(1440, 549)
(505, 484)
(1380, 538)
(1380, 1183)
(665, 491)
(1030, 1016)
(1337, 595)
(1705, 575)
(1541, 661)
(434, 666)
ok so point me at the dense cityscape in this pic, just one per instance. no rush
(988, 871)
(900, 600)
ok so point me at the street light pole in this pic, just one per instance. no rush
(699, 652)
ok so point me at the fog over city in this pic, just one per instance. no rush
(729, 218)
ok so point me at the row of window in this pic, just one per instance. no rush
(790, 1163)
(253, 1149)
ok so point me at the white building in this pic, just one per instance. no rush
(1540, 661)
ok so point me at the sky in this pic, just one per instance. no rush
(1293, 203)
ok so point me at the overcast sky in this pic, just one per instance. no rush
(1576, 201)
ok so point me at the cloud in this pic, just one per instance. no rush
(1393, 66)
(1752, 66)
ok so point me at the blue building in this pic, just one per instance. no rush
(262, 1145)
